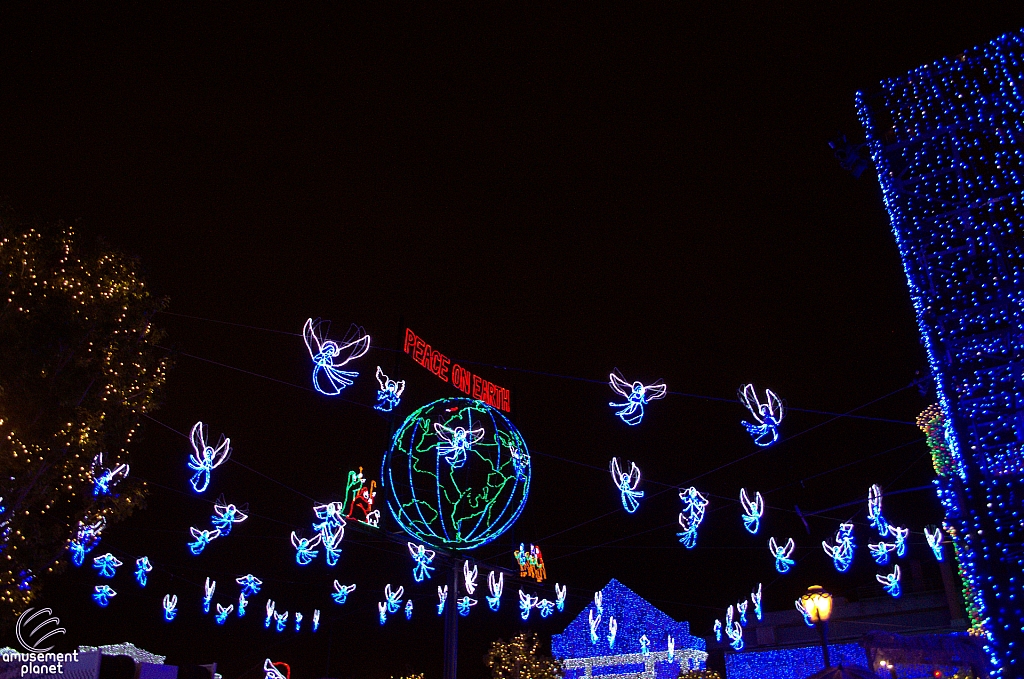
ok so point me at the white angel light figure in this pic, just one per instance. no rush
(103, 479)
(423, 557)
(880, 552)
(270, 613)
(527, 602)
(900, 534)
(170, 607)
(456, 443)
(782, 554)
(202, 538)
(281, 619)
(495, 585)
(208, 589)
(694, 505)
(594, 622)
(394, 598)
(390, 393)
(560, 597)
(305, 550)
(341, 592)
(223, 613)
(891, 582)
(205, 458)
(442, 597)
(627, 485)
(225, 515)
(767, 415)
(470, 576)
(329, 356)
(753, 510)
(878, 521)
(842, 553)
(933, 534)
(637, 396)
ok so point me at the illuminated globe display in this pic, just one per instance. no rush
(457, 474)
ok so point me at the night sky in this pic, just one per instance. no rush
(542, 196)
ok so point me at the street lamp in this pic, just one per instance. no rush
(817, 605)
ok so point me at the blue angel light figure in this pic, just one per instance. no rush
(280, 620)
(382, 611)
(718, 630)
(671, 649)
(316, 619)
(270, 613)
(594, 622)
(250, 584)
(205, 458)
(106, 564)
(842, 552)
(613, 629)
(341, 592)
(86, 538)
(645, 645)
(442, 597)
(880, 552)
(242, 603)
(933, 534)
(891, 581)
(390, 393)
(103, 479)
(755, 598)
(694, 505)
(560, 597)
(102, 594)
(782, 554)
(767, 416)
(170, 607)
(208, 589)
(142, 567)
(332, 542)
(900, 535)
(423, 558)
(329, 356)
(408, 609)
(464, 604)
(456, 443)
(878, 521)
(202, 538)
(627, 485)
(298, 621)
(304, 548)
(752, 511)
(223, 613)
(637, 396)
(546, 607)
(393, 598)
(225, 516)
(735, 634)
(741, 608)
(527, 602)
(495, 585)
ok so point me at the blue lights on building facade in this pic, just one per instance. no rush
(790, 663)
(947, 141)
(620, 621)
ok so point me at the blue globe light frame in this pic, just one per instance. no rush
(457, 474)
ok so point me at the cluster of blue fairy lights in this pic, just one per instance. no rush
(947, 140)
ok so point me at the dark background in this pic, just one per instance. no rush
(645, 188)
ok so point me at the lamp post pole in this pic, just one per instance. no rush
(823, 625)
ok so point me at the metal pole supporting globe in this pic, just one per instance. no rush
(457, 474)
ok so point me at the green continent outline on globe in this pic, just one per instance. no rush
(456, 505)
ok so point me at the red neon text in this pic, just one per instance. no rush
(462, 379)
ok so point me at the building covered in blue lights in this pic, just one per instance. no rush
(947, 140)
(619, 634)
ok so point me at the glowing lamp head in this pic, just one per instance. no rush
(817, 603)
